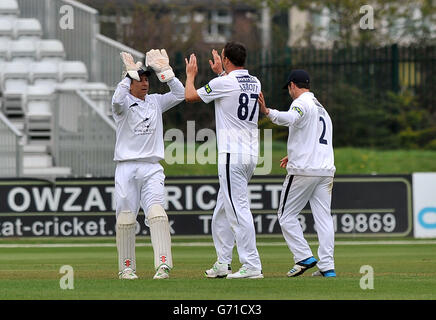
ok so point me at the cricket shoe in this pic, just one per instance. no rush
(300, 267)
(128, 274)
(163, 272)
(245, 273)
(327, 274)
(219, 270)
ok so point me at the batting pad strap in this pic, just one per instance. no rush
(126, 217)
(160, 236)
(156, 210)
(166, 75)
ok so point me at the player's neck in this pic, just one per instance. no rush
(300, 92)
(231, 68)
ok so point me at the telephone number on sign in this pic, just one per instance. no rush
(360, 223)
(343, 223)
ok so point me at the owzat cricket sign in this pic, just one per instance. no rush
(361, 206)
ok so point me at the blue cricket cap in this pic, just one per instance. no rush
(297, 76)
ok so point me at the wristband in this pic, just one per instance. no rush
(222, 73)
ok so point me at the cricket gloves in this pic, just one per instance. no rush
(130, 67)
(159, 61)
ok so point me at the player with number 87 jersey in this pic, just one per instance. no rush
(236, 94)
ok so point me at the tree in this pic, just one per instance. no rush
(395, 21)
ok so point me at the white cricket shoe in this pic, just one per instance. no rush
(300, 267)
(163, 272)
(219, 270)
(128, 274)
(245, 273)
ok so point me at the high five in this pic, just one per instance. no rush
(235, 93)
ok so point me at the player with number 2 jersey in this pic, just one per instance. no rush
(310, 166)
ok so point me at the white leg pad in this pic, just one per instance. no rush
(160, 236)
(126, 230)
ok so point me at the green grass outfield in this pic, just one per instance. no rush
(347, 161)
(29, 269)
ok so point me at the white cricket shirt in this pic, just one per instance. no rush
(139, 134)
(236, 111)
(310, 144)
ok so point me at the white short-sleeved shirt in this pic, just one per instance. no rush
(236, 111)
(310, 140)
(139, 134)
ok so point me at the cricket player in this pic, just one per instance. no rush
(139, 177)
(310, 167)
(235, 93)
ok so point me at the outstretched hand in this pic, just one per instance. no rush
(216, 65)
(130, 67)
(158, 60)
(262, 104)
(191, 66)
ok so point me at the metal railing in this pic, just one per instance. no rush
(84, 137)
(83, 41)
(11, 149)
(110, 64)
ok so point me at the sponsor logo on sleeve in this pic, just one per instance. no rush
(208, 89)
(298, 110)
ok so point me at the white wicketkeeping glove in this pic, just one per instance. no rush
(130, 67)
(159, 61)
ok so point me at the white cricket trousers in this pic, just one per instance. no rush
(138, 184)
(232, 220)
(296, 192)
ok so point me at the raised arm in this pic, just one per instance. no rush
(160, 62)
(191, 94)
(123, 88)
(118, 99)
(174, 97)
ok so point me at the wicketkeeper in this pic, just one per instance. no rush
(139, 177)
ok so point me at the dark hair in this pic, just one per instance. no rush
(236, 53)
(302, 85)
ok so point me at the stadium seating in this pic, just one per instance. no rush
(39, 115)
(9, 9)
(22, 50)
(31, 50)
(4, 50)
(44, 72)
(14, 29)
(72, 72)
(6, 28)
(33, 70)
(30, 68)
(27, 29)
(50, 50)
(14, 80)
